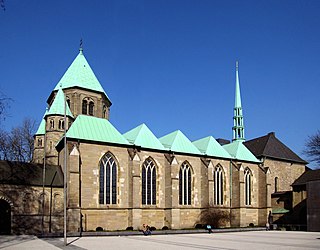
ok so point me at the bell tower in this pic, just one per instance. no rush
(238, 126)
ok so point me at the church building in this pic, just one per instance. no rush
(119, 180)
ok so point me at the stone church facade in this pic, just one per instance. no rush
(116, 181)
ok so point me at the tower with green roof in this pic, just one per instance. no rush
(84, 93)
(51, 129)
(238, 126)
(39, 139)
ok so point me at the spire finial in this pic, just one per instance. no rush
(81, 48)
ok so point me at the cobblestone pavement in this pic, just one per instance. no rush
(227, 241)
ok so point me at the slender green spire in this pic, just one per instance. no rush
(237, 96)
(238, 126)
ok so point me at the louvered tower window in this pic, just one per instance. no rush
(61, 124)
(149, 180)
(185, 184)
(108, 180)
(84, 107)
(91, 108)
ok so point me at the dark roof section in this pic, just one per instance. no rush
(311, 175)
(222, 141)
(270, 146)
(22, 173)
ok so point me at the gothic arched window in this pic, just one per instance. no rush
(247, 186)
(218, 185)
(91, 108)
(185, 184)
(149, 180)
(84, 107)
(108, 180)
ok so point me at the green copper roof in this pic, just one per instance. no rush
(209, 146)
(142, 136)
(42, 127)
(80, 74)
(178, 142)
(237, 102)
(95, 129)
(57, 107)
(237, 150)
(280, 211)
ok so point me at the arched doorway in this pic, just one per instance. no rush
(5, 217)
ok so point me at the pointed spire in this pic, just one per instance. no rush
(57, 107)
(80, 74)
(238, 126)
(237, 95)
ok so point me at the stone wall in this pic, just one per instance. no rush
(27, 210)
(83, 189)
(287, 173)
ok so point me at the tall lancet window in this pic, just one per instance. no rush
(247, 186)
(218, 185)
(276, 184)
(108, 180)
(84, 107)
(91, 108)
(185, 184)
(149, 181)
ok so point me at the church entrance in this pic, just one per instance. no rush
(5, 217)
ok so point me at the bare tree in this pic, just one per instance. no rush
(2, 5)
(4, 145)
(312, 147)
(4, 106)
(18, 144)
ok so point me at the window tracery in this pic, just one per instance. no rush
(218, 185)
(108, 180)
(185, 184)
(149, 189)
(248, 186)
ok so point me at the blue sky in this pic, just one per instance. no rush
(171, 64)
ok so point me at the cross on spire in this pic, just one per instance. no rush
(81, 48)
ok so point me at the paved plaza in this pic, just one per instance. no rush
(237, 240)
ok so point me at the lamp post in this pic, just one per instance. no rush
(65, 173)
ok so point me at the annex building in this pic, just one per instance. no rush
(121, 180)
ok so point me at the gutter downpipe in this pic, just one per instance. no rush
(44, 174)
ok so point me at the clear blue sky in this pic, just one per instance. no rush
(171, 64)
